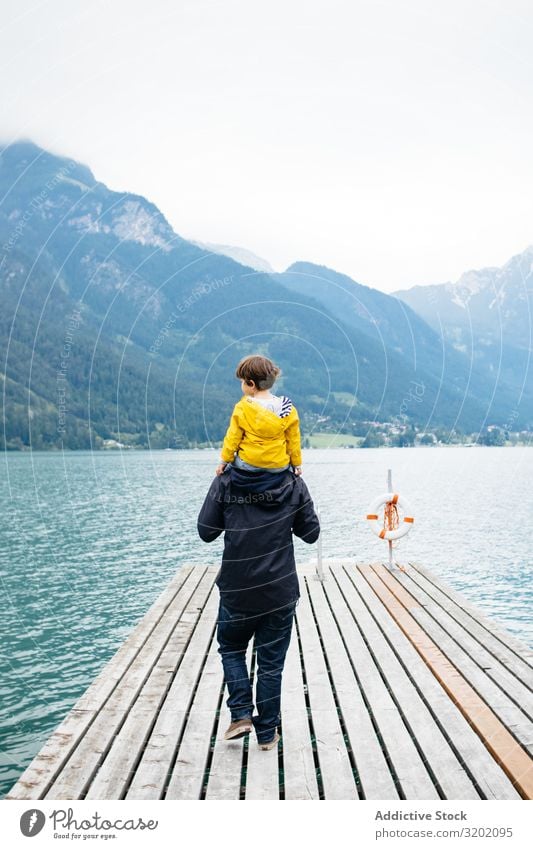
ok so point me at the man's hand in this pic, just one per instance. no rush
(297, 471)
(220, 468)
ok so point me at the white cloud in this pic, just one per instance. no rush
(388, 140)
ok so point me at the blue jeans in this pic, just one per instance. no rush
(272, 633)
(240, 464)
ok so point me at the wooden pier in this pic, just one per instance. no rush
(394, 688)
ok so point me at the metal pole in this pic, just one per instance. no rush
(319, 567)
(389, 489)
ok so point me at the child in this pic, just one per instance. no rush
(264, 431)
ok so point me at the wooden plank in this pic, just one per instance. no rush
(520, 648)
(225, 773)
(187, 776)
(509, 714)
(511, 756)
(45, 767)
(226, 766)
(515, 664)
(262, 781)
(487, 774)
(77, 773)
(262, 772)
(360, 632)
(497, 699)
(371, 765)
(335, 769)
(487, 662)
(116, 772)
(150, 779)
(299, 771)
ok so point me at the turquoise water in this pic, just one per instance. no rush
(88, 541)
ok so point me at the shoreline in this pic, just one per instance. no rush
(143, 449)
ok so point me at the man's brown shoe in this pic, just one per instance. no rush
(265, 747)
(238, 729)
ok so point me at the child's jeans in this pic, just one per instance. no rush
(240, 464)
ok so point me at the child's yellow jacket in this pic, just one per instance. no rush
(261, 437)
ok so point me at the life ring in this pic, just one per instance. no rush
(373, 517)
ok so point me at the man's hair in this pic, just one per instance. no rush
(260, 369)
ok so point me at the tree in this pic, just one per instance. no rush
(405, 439)
(373, 439)
(494, 436)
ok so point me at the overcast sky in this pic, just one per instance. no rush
(389, 140)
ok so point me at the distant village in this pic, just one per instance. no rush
(370, 434)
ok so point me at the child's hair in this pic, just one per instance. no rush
(260, 369)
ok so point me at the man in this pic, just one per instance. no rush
(259, 512)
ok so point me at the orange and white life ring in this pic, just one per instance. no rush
(373, 516)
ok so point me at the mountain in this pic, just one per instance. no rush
(398, 324)
(113, 327)
(497, 301)
(487, 314)
(240, 255)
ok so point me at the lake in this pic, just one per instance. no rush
(89, 540)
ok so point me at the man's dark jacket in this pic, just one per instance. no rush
(259, 514)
